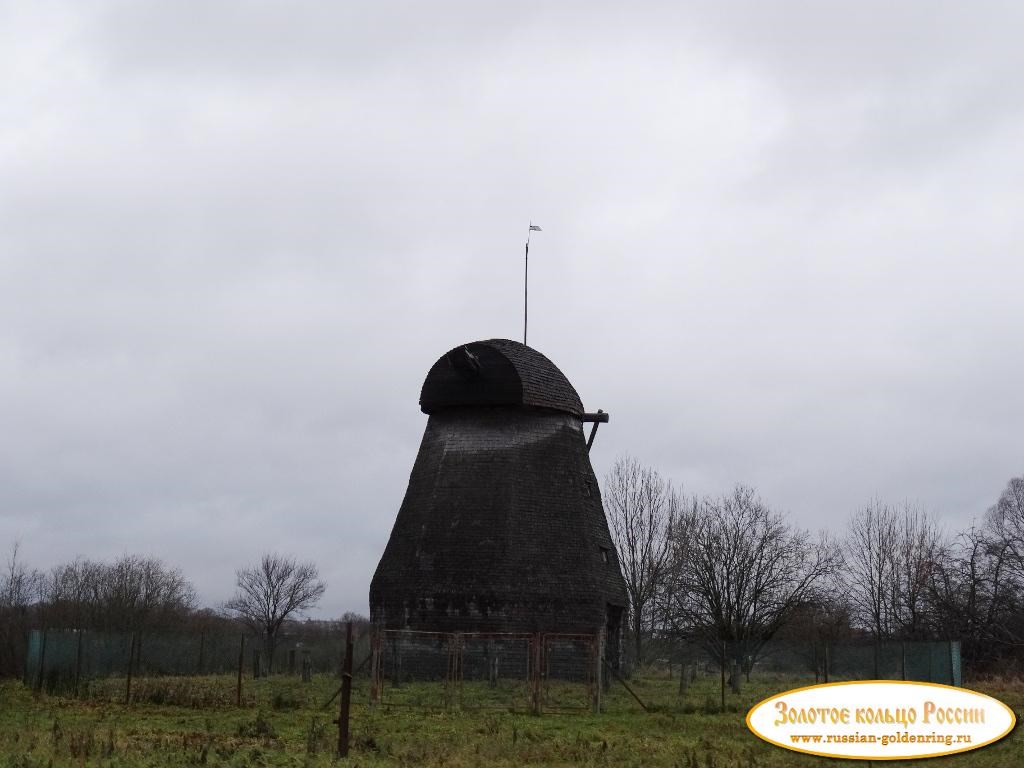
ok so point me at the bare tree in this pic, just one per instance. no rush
(976, 587)
(890, 553)
(19, 584)
(740, 571)
(271, 592)
(132, 593)
(19, 596)
(1005, 520)
(972, 596)
(141, 592)
(870, 566)
(919, 548)
(641, 508)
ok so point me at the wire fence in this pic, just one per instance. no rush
(68, 661)
(934, 661)
(514, 672)
(923, 661)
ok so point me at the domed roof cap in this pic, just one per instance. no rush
(497, 372)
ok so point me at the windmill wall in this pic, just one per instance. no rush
(501, 528)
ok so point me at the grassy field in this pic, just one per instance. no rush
(193, 721)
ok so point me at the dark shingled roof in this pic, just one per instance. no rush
(497, 372)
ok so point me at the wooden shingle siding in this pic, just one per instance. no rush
(501, 528)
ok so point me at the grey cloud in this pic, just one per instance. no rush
(778, 247)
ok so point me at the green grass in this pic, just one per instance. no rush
(193, 721)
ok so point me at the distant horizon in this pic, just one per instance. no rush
(319, 613)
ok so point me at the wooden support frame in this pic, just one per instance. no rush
(596, 419)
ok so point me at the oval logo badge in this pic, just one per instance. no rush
(880, 720)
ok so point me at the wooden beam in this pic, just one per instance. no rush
(596, 419)
(624, 683)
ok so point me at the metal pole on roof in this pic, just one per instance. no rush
(526, 277)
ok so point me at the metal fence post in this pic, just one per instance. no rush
(78, 661)
(42, 662)
(952, 671)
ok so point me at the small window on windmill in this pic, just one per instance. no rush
(604, 554)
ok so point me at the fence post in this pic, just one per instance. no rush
(42, 662)
(492, 664)
(376, 670)
(537, 659)
(241, 663)
(903, 659)
(598, 670)
(826, 661)
(723, 675)
(346, 694)
(460, 645)
(78, 661)
(529, 662)
(449, 670)
(453, 675)
(396, 660)
(952, 672)
(131, 662)
(307, 667)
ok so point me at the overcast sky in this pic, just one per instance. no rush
(781, 245)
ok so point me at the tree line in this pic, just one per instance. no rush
(730, 574)
(145, 595)
(727, 573)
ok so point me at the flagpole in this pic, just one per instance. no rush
(526, 281)
(526, 278)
